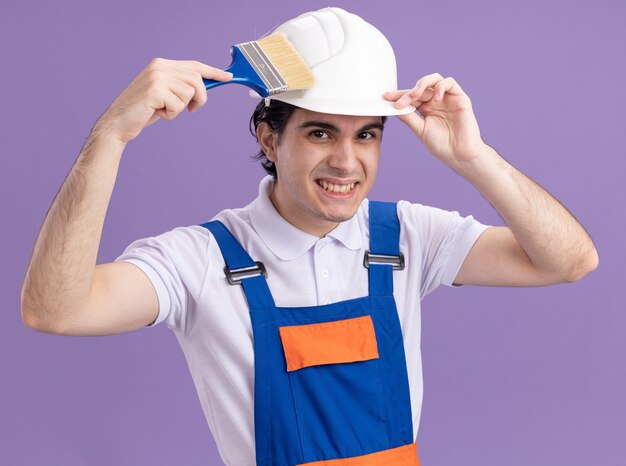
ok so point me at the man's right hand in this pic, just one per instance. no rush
(162, 90)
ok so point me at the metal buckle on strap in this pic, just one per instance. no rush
(235, 276)
(397, 262)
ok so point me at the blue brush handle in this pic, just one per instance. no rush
(243, 73)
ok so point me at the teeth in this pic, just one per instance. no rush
(336, 188)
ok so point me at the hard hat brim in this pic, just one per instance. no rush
(350, 107)
(346, 107)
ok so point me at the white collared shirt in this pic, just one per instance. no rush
(210, 317)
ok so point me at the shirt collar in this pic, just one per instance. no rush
(286, 241)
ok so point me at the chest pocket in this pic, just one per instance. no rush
(335, 377)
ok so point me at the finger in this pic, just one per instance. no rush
(414, 97)
(448, 85)
(200, 94)
(207, 71)
(440, 89)
(172, 106)
(193, 74)
(184, 91)
(394, 95)
(427, 81)
(193, 79)
(413, 121)
(421, 90)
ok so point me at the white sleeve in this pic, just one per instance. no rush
(440, 240)
(176, 264)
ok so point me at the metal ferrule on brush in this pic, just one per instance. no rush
(263, 67)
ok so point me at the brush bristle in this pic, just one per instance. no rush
(287, 61)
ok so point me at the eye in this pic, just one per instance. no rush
(365, 135)
(319, 134)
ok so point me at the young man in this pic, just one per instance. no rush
(299, 314)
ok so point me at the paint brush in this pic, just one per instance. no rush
(269, 66)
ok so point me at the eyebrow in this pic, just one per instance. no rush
(331, 127)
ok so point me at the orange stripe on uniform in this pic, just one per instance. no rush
(401, 456)
(335, 342)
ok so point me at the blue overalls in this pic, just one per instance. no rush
(331, 384)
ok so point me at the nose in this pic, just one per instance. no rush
(344, 156)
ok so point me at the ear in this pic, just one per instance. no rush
(267, 140)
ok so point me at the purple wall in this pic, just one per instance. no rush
(512, 376)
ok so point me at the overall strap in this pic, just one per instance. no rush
(384, 255)
(240, 268)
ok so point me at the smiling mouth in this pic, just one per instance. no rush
(336, 188)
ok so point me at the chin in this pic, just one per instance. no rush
(341, 215)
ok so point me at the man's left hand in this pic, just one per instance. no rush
(446, 123)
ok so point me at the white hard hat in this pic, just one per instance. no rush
(352, 62)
